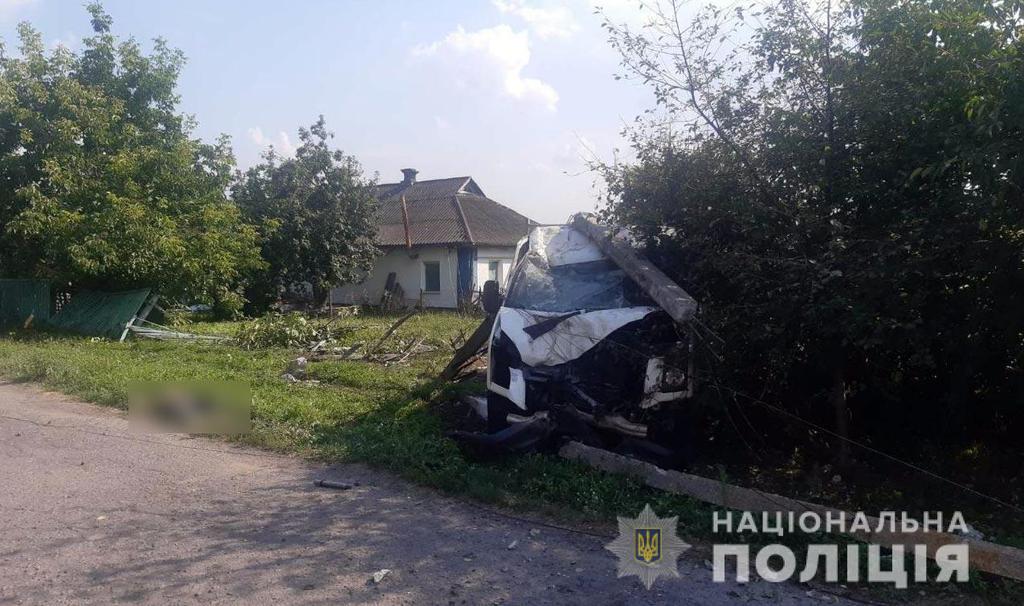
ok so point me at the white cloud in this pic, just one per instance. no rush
(493, 57)
(441, 123)
(281, 143)
(546, 22)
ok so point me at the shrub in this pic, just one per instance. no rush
(285, 330)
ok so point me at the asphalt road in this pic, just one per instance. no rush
(91, 512)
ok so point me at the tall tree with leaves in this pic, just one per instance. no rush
(104, 185)
(840, 184)
(317, 211)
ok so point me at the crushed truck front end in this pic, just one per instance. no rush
(578, 349)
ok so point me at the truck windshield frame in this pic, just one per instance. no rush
(590, 286)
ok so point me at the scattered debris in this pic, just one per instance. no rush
(340, 311)
(151, 330)
(380, 574)
(404, 349)
(297, 368)
(339, 353)
(390, 331)
(512, 545)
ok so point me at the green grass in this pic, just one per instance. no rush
(393, 418)
(389, 417)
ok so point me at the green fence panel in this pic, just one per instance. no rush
(20, 299)
(100, 314)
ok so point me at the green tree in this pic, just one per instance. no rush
(840, 185)
(104, 185)
(317, 210)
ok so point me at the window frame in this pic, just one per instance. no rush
(426, 288)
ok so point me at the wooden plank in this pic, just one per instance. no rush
(666, 293)
(985, 556)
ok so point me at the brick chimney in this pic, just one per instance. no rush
(409, 176)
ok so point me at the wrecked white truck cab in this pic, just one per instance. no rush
(579, 349)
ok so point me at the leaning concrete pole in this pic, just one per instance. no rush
(666, 293)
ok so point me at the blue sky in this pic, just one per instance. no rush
(512, 92)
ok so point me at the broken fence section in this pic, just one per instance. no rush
(88, 312)
(24, 301)
(101, 314)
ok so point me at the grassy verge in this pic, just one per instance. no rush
(393, 418)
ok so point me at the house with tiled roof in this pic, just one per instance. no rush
(441, 240)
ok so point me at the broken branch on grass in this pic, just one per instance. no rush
(411, 350)
(469, 350)
(390, 331)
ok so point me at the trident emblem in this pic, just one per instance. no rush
(648, 544)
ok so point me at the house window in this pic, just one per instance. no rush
(492, 270)
(432, 276)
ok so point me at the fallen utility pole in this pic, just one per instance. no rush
(666, 293)
(985, 556)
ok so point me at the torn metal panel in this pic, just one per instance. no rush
(563, 245)
(101, 314)
(657, 377)
(569, 340)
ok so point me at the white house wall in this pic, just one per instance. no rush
(408, 267)
(486, 254)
